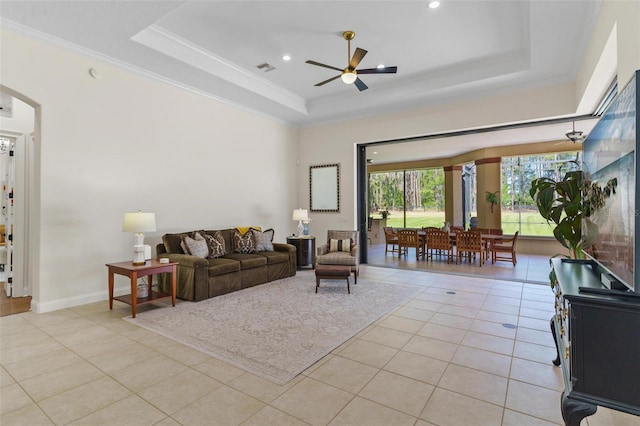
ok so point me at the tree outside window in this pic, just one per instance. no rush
(519, 212)
(413, 198)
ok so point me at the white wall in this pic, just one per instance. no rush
(335, 143)
(22, 120)
(125, 142)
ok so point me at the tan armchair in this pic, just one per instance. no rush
(350, 258)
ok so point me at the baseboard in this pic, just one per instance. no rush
(71, 302)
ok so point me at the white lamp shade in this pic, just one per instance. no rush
(349, 77)
(139, 222)
(300, 214)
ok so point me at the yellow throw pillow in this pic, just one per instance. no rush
(243, 229)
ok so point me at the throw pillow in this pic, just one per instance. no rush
(196, 246)
(263, 239)
(216, 245)
(243, 229)
(340, 245)
(243, 243)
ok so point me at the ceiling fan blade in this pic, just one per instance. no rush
(385, 70)
(360, 85)
(357, 57)
(327, 81)
(323, 65)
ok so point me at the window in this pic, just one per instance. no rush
(519, 212)
(413, 198)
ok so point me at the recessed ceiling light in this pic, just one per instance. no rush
(375, 152)
(380, 66)
(434, 4)
(286, 58)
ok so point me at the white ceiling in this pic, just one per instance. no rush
(461, 49)
(465, 48)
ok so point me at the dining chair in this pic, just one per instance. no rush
(504, 249)
(410, 238)
(438, 243)
(468, 243)
(390, 238)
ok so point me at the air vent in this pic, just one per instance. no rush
(265, 67)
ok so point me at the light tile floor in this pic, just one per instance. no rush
(529, 268)
(463, 351)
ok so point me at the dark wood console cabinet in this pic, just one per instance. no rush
(306, 250)
(598, 342)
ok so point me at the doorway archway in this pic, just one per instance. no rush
(23, 123)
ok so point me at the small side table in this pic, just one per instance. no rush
(305, 250)
(134, 272)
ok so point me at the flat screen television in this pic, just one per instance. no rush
(610, 163)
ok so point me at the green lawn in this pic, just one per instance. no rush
(532, 222)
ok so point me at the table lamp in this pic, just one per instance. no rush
(138, 223)
(300, 215)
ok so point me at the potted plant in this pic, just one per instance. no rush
(385, 214)
(492, 197)
(565, 203)
(561, 202)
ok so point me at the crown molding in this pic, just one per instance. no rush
(163, 41)
(7, 25)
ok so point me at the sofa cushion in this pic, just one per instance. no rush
(337, 258)
(247, 261)
(263, 240)
(196, 246)
(216, 244)
(172, 243)
(339, 246)
(221, 265)
(274, 257)
(243, 243)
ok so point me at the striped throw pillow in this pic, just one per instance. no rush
(339, 245)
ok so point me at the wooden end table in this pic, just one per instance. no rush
(134, 272)
(305, 250)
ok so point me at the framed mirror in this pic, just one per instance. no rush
(324, 188)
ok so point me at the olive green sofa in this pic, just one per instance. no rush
(202, 278)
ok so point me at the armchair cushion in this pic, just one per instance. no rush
(339, 245)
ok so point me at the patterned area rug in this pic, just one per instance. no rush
(279, 329)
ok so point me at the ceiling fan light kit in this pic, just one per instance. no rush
(575, 135)
(349, 75)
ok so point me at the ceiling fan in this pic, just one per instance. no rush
(575, 135)
(349, 75)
